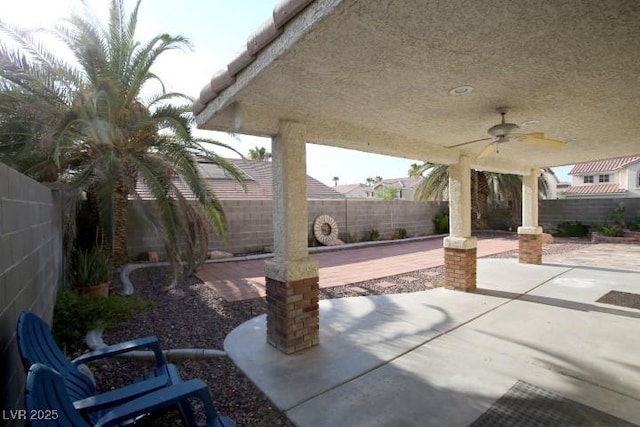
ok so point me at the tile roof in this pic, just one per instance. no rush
(345, 188)
(595, 189)
(283, 12)
(603, 165)
(404, 182)
(258, 180)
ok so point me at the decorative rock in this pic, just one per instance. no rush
(547, 238)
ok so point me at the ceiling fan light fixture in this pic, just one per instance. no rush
(530, 122)
(461, 90)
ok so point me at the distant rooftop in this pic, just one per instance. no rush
(258, 181)
(603, 165)
(595, 189)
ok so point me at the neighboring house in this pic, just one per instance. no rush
(355, 191)
(561, 188)
(258, 181)
(606, 178)
(406, 187)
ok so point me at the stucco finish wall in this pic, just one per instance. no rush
(251, 227)
(31, 268)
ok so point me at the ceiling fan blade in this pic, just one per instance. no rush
(489, 150)
(469, 142)
(537, 138)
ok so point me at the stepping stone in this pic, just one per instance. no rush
(358, 290)
(385, 284)
(431, 274)
(409, 279)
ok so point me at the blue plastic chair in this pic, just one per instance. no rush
(37, 345)
(48, 403)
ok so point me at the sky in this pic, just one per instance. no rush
(217, 29)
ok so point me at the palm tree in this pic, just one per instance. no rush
(485, 187)
(415, 170)
(94, 125)
(259, 153)
(369, 181)
(335, 180)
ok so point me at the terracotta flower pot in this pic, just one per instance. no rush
(100, 290)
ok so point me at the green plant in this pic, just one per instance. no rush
(635, 225)
(617, 216)
(571, 229)
(311, 240)
(441, 222)
(89, 268)
(374, 234)
(399, 233)
(614, 230)
(74, 315)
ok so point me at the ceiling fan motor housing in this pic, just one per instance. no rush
(503, 129)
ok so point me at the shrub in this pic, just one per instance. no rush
(617, 216)
(75, 315)
(635, 225)
(441, 222)
(572, 229)
(399, 233)
(311, 241)
(374, 234)
(614, 230)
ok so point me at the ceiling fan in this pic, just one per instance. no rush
(505, 132)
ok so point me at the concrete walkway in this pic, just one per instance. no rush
(443, 358)
(238, 280)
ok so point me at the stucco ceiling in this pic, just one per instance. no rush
(375, 76)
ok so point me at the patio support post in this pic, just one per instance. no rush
(460, 246)
(530, 234)
(291, 276)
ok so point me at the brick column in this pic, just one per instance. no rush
(530, 248)
(530, 235)
(291, 276)
(460, 269)
(292, 314)
(460, 246)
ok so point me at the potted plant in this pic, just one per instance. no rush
(90, 272)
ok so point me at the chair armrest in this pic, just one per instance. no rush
(115, 397)
(162, 399)
(124, 347)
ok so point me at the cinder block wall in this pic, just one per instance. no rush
(587, 211)
(31, 268)
(250, 222)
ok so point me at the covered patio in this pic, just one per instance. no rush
(426, 80)
(538, 350)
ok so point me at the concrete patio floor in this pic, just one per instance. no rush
(442, 357)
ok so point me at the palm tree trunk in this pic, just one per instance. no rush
(119, 254)
(482, 221)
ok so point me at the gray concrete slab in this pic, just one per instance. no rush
(356, 335)
(443, 357)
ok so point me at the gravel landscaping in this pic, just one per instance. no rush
(198, 318)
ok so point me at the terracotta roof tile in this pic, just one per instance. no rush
(603, 165)
(595, 189)
(283, 12)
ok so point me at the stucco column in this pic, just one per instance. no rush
(460, 246)
(530, 234)
(291, 276)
